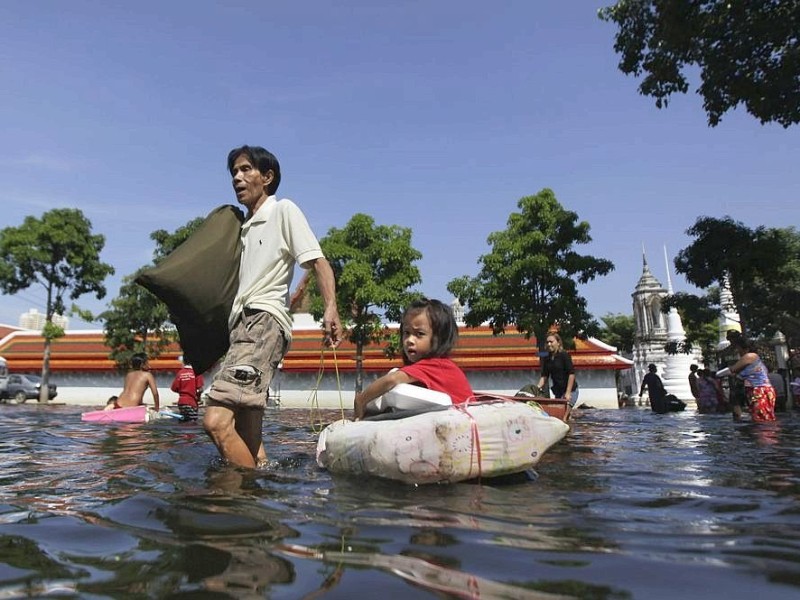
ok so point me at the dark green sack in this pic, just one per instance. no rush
(198, 281)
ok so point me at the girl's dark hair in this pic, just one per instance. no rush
(261, 159)
(444, 330)
(739, 341)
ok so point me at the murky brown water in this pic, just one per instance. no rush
(629, 505)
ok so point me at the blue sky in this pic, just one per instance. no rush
(437, 116)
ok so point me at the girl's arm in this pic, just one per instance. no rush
(378, 388)
(326, 283)
(745, 360)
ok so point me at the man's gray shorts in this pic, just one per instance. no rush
(257, 348)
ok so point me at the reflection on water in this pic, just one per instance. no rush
(629, 505)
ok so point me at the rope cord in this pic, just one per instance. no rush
(316, 412)
(476, 438)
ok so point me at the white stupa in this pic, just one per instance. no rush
(676, 367)
(728, 315)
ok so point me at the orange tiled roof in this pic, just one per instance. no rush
(76, 351)
(477, 349)
(6, 329)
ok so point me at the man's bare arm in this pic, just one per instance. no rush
(326, 283)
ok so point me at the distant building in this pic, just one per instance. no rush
(677, 366)
(33, 319)
(653, 330)
(729, 319)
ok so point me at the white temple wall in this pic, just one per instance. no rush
(297, 390)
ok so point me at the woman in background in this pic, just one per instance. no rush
(558, 368)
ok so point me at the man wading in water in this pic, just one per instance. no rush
(275, 236)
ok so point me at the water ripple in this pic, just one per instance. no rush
(626, 502)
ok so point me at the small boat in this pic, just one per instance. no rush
(475, 440)
(555, 407)
(131, 414)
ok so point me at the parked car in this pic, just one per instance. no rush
(24, 387)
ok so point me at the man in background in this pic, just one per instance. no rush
(188, 385)
(137, 381)
(693, 382)
(655, 389)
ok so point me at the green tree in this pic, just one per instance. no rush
(530, 277)
(746, 53)
(166, 242)
(618, 330)
(136, 320)
(374, 270)
(763, 265)
(59, 253)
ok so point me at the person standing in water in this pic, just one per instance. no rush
(275, 237)
(655, 389)
(694, 377)
(753, 372)
(188, 385)
(557, 368)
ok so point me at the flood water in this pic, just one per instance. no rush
(629, 505)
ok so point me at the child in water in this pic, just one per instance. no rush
(708, 392)
(428, 332)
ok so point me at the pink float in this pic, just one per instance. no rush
(132, 414)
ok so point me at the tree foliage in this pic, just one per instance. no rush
(764, 268)
(166, 242)
(530, 277)
(746, 52)
(136, 320)
(375, 271)
(618, 330)
(59, 253)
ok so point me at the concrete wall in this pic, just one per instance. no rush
(94, 389)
